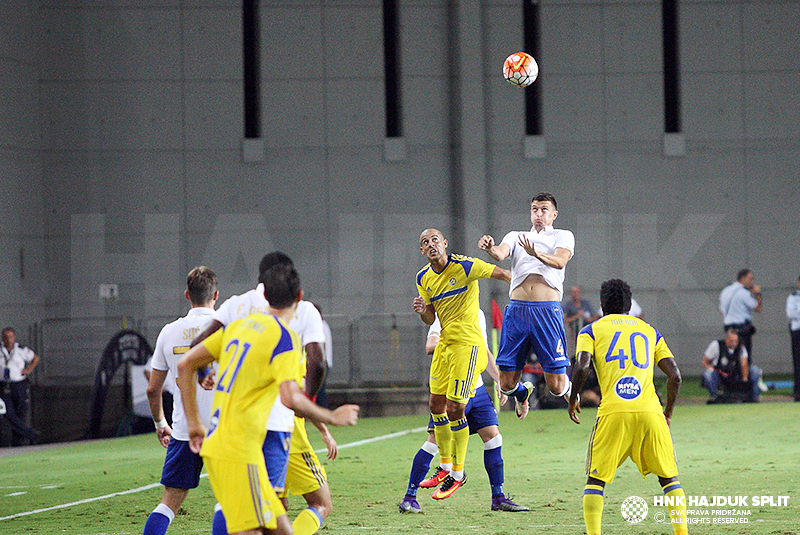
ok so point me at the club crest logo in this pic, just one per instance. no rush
(634, 509)
(452, 281)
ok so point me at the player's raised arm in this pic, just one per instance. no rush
(579, 374)
(557, 260)
(498, 252)
(670, 368)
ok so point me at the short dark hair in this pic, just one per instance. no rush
(541, 197)
(273, 259)
(281, 285)
(742, 274)
(8, 329)
(201, 283)
(615, 297)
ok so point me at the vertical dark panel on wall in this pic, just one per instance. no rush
(672, 94)
(391, 68)
(533, 97)
(251, 76)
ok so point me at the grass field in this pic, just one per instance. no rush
(729, 450)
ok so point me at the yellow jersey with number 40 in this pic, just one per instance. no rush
(454, 295)
(256, 354)
(625, 351)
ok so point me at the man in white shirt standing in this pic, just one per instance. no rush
(181, 467)
(737, 302)
(534, 319)
(17, 363)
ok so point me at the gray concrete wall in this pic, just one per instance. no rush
(121, 151)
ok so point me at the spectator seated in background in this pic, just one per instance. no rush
(728, 375)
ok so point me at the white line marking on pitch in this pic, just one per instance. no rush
(154, 485)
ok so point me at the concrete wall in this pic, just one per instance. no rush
(122, 162)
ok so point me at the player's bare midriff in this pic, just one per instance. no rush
(534, 288)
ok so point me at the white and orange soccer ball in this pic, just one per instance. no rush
(520, 69)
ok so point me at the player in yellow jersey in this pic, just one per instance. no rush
(630, 421)
(259, 359)
(448, 287)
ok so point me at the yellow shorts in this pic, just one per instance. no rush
(642, 436)
(243, 490)
(305, 473)
(455, 369)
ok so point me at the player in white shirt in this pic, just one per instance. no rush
(181, 467)
(534, 319)
(305, 474)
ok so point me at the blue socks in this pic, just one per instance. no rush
(493, 462)
(159, 520)
(218, 525)
(420, 466)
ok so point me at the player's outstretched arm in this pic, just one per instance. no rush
(579, 374)
(501, 274)
(294, 399)
(670, 368)
(498, 252)
(196, 358)
(154, 388)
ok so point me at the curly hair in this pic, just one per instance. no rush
(615, 297)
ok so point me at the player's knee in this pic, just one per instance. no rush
(320, 499)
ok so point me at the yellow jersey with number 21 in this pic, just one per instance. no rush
(256, 354)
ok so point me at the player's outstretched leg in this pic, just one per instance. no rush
(419, 467)
(493, 462)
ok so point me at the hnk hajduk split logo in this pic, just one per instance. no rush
(634, 509)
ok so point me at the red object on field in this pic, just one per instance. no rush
(497, 316)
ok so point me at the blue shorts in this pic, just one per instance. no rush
(276, 457)
(182, 467)
(479, 411)
(537, 326)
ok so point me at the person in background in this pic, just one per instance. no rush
(737, 302)
(793, 313)
(17, 364)
(726, 366)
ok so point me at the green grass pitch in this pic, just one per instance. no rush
(729, 450)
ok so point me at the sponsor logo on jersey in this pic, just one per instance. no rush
(628, 388)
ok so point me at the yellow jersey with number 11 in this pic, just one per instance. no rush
(454, 295)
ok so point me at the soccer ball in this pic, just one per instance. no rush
(520, 69)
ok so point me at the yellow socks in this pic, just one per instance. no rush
(307, 522)
(677, 507)
(593, 508)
